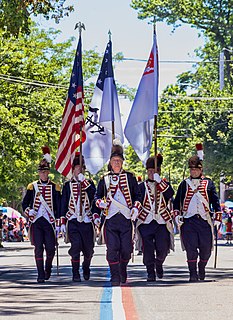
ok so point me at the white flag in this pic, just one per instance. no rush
(103, 111)
(140, 123)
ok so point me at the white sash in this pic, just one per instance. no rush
(109, 195)
(200, 196)
(42, 200)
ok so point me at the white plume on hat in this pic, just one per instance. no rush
(46, 152)
(200, 153)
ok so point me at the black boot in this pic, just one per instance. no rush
(75, 271)
(48, 268)
(201, 269)
(86, 268)
(115, 274)
(193, 271)
(159, 268)
(123, 271)
(151, 273)
(40, 270)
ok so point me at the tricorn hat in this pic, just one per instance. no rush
(76, 161)
(150, 162)
(46, 160)
(117, 149)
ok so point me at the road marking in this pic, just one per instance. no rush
(117, 303)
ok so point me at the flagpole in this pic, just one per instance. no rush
(80, 26)
(155, 115)
(113, 125)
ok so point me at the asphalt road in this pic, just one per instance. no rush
(59, 298)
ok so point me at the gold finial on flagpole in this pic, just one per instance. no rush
(109, 35)
(79, 25)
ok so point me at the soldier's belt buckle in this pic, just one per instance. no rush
(195, 190)
(38, 193)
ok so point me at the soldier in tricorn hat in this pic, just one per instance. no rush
(42, 206)
(154, 221)
(118, 196)
(192, 207)
(79, 217)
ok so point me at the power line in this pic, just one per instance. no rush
(176, 61)
(14, 79)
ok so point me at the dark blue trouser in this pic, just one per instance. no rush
(197, 238)
(155, 238)
(43, 238)
(118, 238)
(81, 237)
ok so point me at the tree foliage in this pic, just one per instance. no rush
(213, 17)
(15, 15)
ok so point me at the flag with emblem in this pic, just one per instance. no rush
(104, 112)
(72, 119)
(140, 123)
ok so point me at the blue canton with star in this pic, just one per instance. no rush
(106, 70)
(76, 79)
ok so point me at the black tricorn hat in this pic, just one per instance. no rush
(117, 149)
(150, 162)
(195, 162)
(76, 161)
(43, 165)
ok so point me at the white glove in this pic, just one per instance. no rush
(179, 220)
(103, 205)
(32, 213)
(81, 177)
(58, 229)
(134, 214)
(217, 224)
(63, 228)
(157, 177)
(97, 222)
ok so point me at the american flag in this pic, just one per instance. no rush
(72, 119)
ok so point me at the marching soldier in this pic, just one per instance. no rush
(79, 217)
(154, 222)
(195, 198)
(41, 204)
(118, 195)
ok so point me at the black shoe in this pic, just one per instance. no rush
(193, 278)
(115, 283)
(159, 271)
(123, 279)
(151, 278)
(86, 273)
(47, 274)
(201, 275)
(76, 278)
(40, 280)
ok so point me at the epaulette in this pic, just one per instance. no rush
(30, 186)
(57, 187)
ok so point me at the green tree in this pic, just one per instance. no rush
(214, 18)
(15, 15)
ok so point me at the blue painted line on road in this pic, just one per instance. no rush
(106, 301)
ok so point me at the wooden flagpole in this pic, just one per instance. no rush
(155, 128)
(80, 26)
